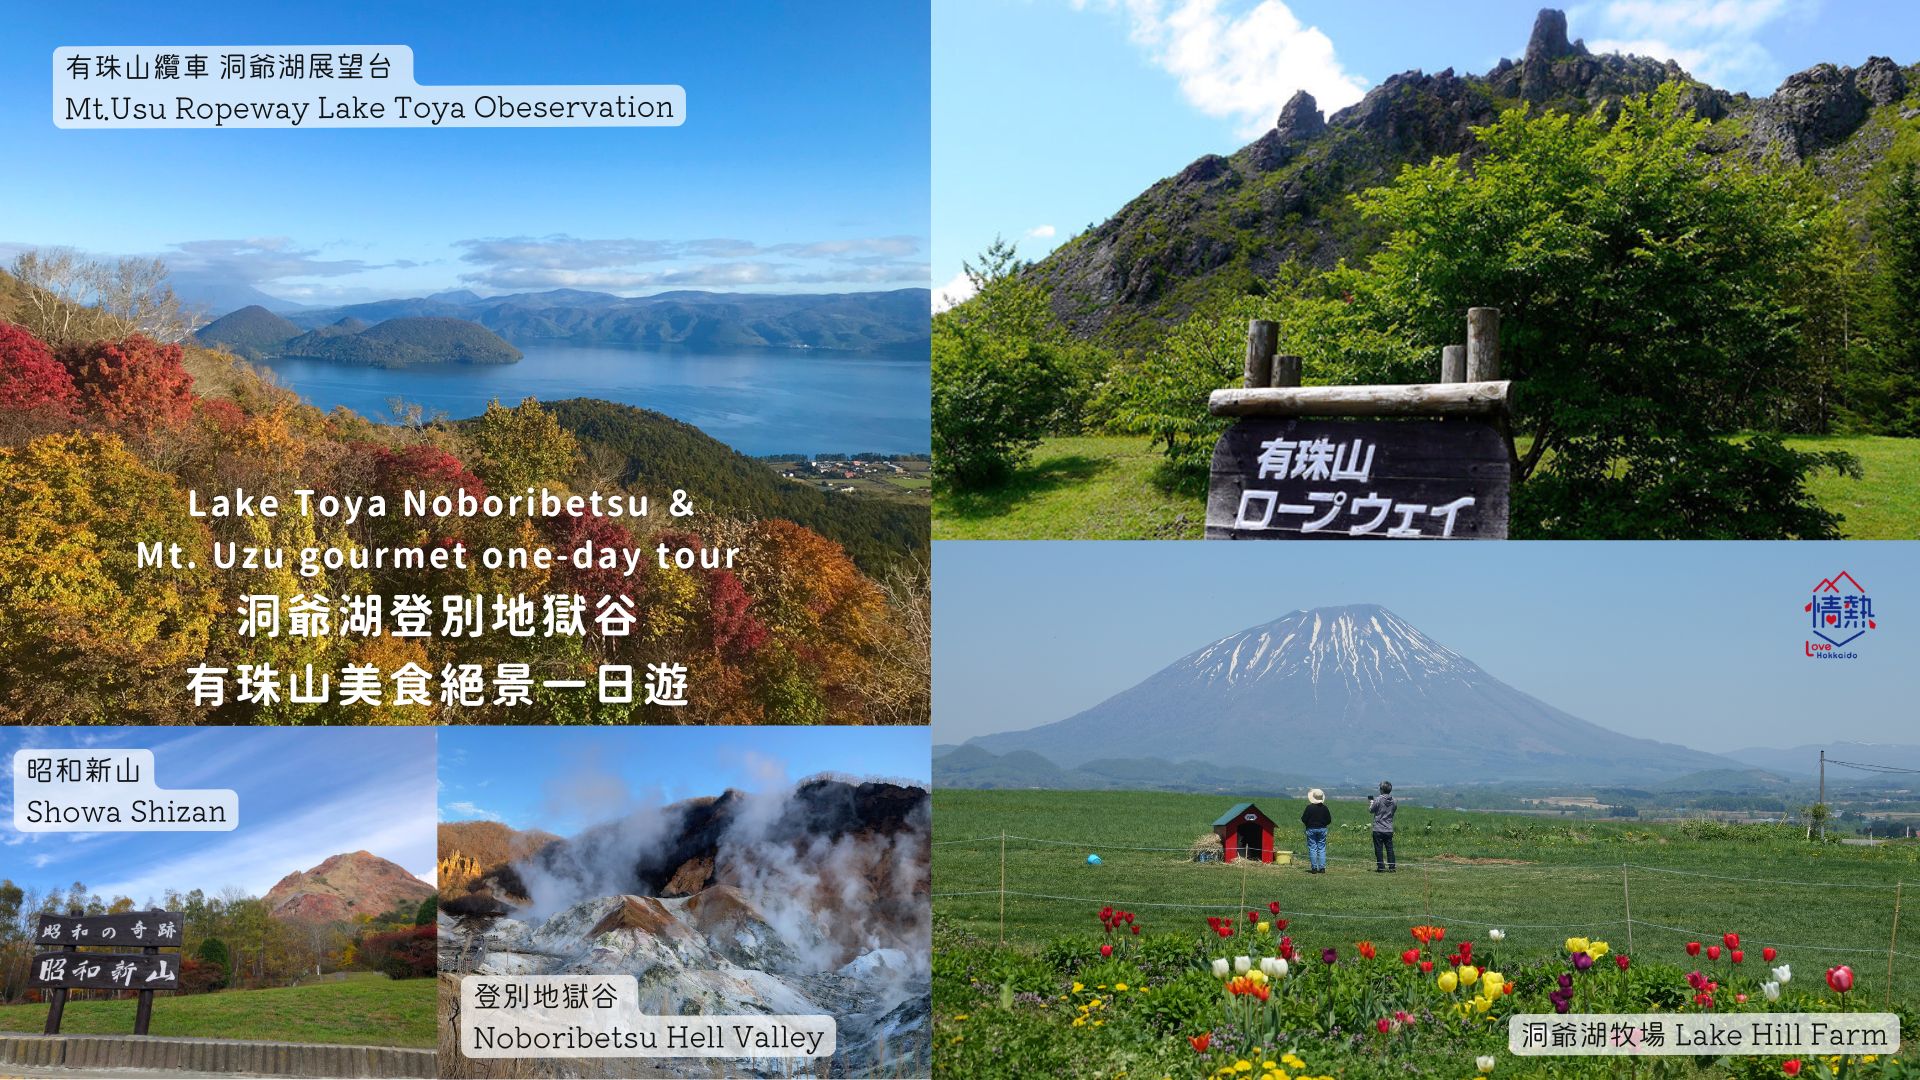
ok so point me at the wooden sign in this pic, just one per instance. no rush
(104, 971)
(135, 928)
(71, 969)
(1301, 478)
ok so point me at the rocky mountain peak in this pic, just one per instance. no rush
(1300, 118)
(342, 886)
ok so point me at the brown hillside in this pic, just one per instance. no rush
(358, 883)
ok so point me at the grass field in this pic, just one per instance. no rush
(1030, 1006)
(368, 1010)
(1116, 488)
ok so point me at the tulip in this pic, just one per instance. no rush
(1840, 979)
(1106, 913)
(1426, 967)
(1383, 1025)
(1366, 949)
(1135, 927)
(1769, 953)
(1469, 975)
(1732, 940)
(1566, 981)
(1253, 916)
(1241, 964)
(1200, 1042)
(1329, 955)
(1448, 981)
(1740, 998)
(1783, 973)
(1696, 980)
(1410, 957)
(1106, 951)
(1221, 967)
(1771, 990)
(1265, 927)
(1281, 924)
(1737, 955)
(1577, 944)
(1506, 988)
(1581, 961)
(1561, 1005)
(1262, 992)
(1223, 930)
(1402, 1016)
(1597, 949)
(1791, 1066)
(1495, 935)
(1466, 948)
(1484, 1063)
(1693, 948)
(1713, 952)
(1273, 907)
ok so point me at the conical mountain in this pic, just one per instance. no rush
(1351, 693)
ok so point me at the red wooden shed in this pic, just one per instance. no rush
(1245, 832)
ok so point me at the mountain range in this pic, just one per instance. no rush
(256, 334)
(702, 320)
(1349, 694)
(356, 883)
(1225, 223)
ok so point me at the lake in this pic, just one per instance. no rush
(758, 401)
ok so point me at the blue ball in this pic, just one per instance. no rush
(1093, 860)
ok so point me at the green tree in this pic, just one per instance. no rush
(1647, 291)
(213, 952)
(428, 912)
(522, 446)
(1884, 389)
(1002, 373)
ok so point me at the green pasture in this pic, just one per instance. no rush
(368, 1010)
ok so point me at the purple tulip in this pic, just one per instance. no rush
(1329, 955)
(1561, 1005)
(1581, 961)
(1566, 981)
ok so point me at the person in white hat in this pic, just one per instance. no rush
(1316, 817)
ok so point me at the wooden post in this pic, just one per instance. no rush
(1483, 344)
(143, 1012)
(1003, 889)
(1626, 899)
(58, 1004)
(1263, 336)
(1893, 942)
(1243, 886)
(1286, 371)
(1453, 363)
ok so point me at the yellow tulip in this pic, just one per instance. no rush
(1266, 928)
(1469, 975)
(1481, 1004)
(1597, 949)
(1578, 944)
(1449, 982)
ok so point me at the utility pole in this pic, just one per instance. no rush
(1822, 803)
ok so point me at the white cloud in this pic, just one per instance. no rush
(955, 292)
(1242, 65)
(1714, 40)
(467, 811)
(1042, 232)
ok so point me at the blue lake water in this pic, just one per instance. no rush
(758, 401)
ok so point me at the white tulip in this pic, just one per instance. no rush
(1484, 1062)
(1242, 964)
(1771, 989)
(1783, 973)
(1497, 935)
(1220, 968)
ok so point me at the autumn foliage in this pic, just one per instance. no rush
(101, 441)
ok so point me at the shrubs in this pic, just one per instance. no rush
(136, 385)
(402, 954)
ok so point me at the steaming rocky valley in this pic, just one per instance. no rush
(803, 901)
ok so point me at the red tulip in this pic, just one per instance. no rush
(1200, 1042)
(1213, 921)
(1693, 948)
(1791, 1066)
(1741, 998)
(1713, 952)
(1732, 940)
(1840, 979)
(1466, 948)
(1281, 924)
(1273, 907)
(1403, 1016)
(1410, 957)
(1366, 949)
(1426, 967)
(1384, 1025)
(1262, 992)
(1135, 928)
(1223, 930)
(1769, 953)
(1737, 955)
(1253, 916)
(1106, 951)
(1506, 988)
(1620, 959)
(1106, 913)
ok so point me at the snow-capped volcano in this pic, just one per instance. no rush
(1351, 693)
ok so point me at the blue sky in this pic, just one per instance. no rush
(565, 779)
(807, 134)
(1050, 114)
(305, 794)
(1696, 643)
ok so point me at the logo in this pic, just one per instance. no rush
(1839, 613)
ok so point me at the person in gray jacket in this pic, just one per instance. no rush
(1381, 806)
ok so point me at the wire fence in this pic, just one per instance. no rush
(1585, 905)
